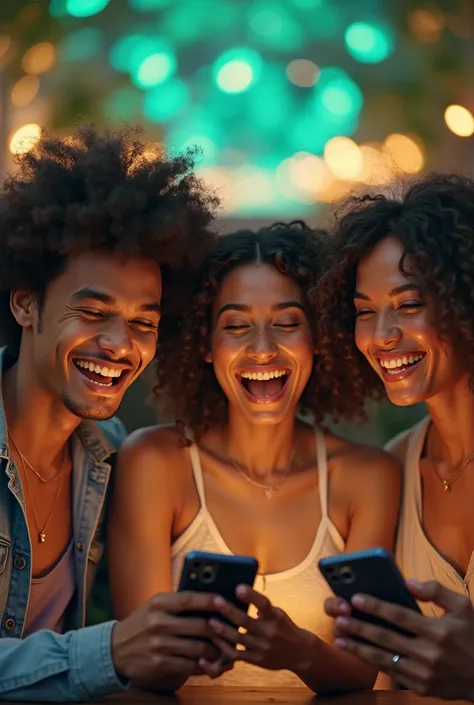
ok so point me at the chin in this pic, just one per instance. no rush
(405, 399)
(94, 412)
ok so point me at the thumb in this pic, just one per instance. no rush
(433, 591)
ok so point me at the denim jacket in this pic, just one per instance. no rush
(47, 666)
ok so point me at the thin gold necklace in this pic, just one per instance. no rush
(25, 461)
(447, 483)
(42, 532)
(268, 490)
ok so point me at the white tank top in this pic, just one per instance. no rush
(299, 591)
(416, 556)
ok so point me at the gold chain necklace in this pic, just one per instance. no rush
(447, 483)
(25, 461)
(42, 532)
(268, 490)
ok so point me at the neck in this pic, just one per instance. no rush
(452, 414)
(38, 421)
(260, 449)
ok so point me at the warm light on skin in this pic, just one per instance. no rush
(459, 120)
(25, 138)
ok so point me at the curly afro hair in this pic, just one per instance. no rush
(184, 376)
(108, 191)
(434, 221)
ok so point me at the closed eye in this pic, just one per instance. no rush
(288, 326)
(93, 313)
(146, 324)
(412, 305)
(236, 326)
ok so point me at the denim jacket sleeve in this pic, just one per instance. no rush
(71, 667)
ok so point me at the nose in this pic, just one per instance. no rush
(386, 333)
(262, 349)
(116, 339)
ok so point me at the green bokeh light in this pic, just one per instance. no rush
(237, 69)
(273, 26)
(166, 101)
(58, 8)
(149, 5)
(188, 21)
(270, 105)
(81, 45)
(369, 43)
(154, 69)
(338, 94)
(86, 8)
(199, 129)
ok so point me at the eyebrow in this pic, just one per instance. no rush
(96, 295)
(393, 292)
(246, 308)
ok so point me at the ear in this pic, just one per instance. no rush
(23, 305)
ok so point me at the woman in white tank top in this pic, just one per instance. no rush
(242, 475)
(406, 270)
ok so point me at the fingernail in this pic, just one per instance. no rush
(219, 602)
(358, 601)
(341, 643)
(216, 625)
(342, 622)
(414, 583)
(344, 607)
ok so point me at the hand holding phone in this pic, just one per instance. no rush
(217, 573)
(372, 572)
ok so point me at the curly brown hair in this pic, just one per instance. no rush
(183, 375)
(434, 221)
(108, 191)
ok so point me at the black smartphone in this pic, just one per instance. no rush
(217, 573)
(373, 572)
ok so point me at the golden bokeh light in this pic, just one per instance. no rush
(25, 90)
(343, 157)
(427, 23)
(39, 58)
(459, 120)
(404, 152)
(5, 44)
(24, 139)
(375, 166)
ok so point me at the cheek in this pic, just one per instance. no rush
(361, 337)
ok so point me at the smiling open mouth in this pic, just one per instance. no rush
(397, 365)
(101, 375)
(265, 386)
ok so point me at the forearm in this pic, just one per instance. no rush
(46, 666)
(328, 670)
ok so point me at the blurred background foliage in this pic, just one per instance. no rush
(294, 103)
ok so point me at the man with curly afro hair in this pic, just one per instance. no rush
(90, 226)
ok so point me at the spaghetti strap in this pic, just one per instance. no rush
(197, 468)
(322, 461)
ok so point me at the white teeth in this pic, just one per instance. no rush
(397, 363)
(262, 376)
(104, 371)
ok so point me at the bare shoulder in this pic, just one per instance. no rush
(398, 445)
(157, 447)
(361, 464)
